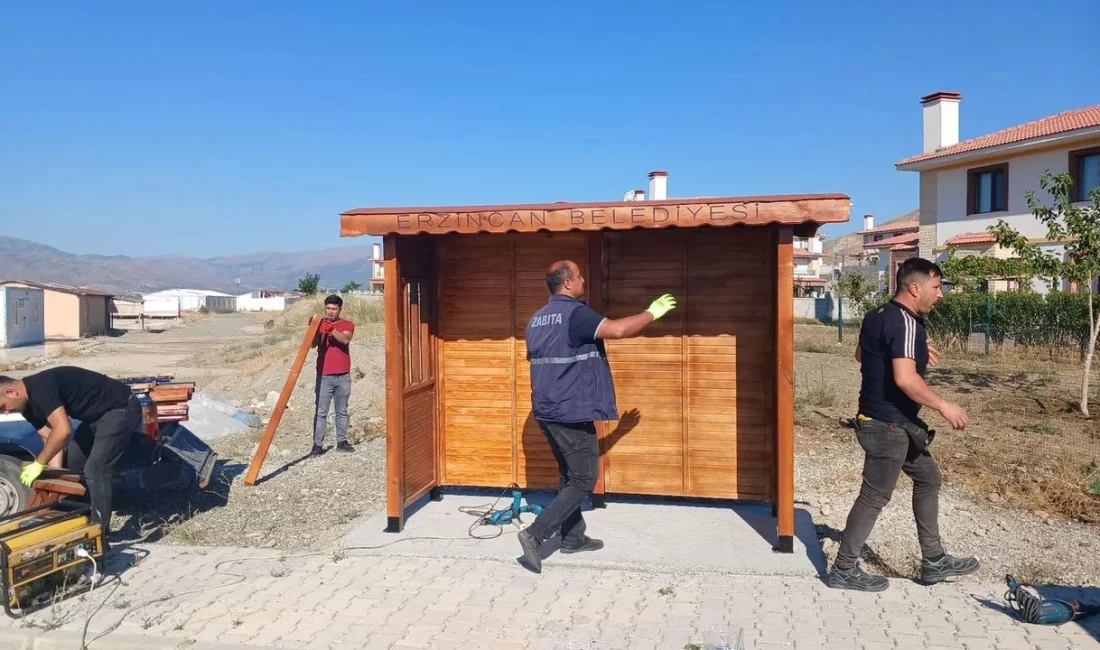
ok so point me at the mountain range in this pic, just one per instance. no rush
(21, 259)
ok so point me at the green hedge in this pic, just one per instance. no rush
(1058, 320)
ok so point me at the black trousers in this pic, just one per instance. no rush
(97, 449)
(890, 450)
(577, 451)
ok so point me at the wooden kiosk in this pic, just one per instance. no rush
(706, 395)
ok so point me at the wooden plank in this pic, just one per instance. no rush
(394, 323)
(784, 385)
(284, 398)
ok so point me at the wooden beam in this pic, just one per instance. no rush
(596, 290)
(284, 398)
(563, 217)
(394, 319)
(784, 388)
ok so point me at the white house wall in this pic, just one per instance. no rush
(1023, 175)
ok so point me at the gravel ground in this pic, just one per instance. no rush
(1006, 539)
(299, 503)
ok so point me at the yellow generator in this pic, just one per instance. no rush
(45, 551)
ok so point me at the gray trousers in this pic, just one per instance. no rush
(890, 450)
(332, 389)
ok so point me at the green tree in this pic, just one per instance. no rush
(1078, 228)
(859, 291)
(969, 272)
(351, 286)
(309, 284)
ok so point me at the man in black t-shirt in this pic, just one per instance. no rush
(894, 354)
(109, 416)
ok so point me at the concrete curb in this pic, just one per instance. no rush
(31, 639)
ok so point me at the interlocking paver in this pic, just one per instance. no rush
(391, 602)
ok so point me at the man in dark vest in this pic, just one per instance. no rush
(571, 388)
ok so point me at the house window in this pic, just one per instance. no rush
(987, 189)
(1084, 167)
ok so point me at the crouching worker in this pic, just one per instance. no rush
(109, 415)
(571, 387)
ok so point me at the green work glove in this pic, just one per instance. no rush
(31, 472)
(662, 306)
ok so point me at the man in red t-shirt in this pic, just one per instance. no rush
(333, 374)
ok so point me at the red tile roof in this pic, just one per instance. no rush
(971, 238)
(1082, 118)
(903, 247)
(893, 227)
(904, 239)
(802, 252)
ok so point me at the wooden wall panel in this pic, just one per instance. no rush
(491, 285)
(701, 378)
(728, 347)
(645, 456)
(419, 427)
(475, 326)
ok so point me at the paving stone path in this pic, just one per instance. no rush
(203, 598)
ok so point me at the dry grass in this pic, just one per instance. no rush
(1026, 443)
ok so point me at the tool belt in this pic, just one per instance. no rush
(919, 434)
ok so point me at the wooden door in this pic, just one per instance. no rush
(700, 380)
(419, 463)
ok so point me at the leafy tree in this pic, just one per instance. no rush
(309, 284)
(859, 291)
(351, 286)
(970, 271)
(1078, 228)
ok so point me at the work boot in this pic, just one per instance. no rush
(589, 544)
(344, 445)
(317, 450)
(856, 579)
(933, 571)
(532, 559)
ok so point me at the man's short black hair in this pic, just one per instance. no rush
(334, 300)
(556, 278)
(5, 380)
(916, 268)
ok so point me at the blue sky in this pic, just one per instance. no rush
(253, 124)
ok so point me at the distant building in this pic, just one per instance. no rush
(163, 303)
(22, 316)
(262, 301)
(967, 186)
(808, 268)
(377, 279)
(71, 312)
(889, 245)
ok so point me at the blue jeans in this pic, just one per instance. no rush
(332, 388)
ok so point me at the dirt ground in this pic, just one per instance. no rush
(1016, 481)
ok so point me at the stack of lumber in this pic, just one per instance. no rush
(170, 397)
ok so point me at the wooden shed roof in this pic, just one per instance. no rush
(805, 211)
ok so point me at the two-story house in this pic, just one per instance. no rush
(377, 280)
(967, 186)
(808, 268)
(890, 244)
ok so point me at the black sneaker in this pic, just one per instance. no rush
(317, 450)
(344, 445)
(857, 579)
(947, 567)
(531, 557)
(589, 544)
